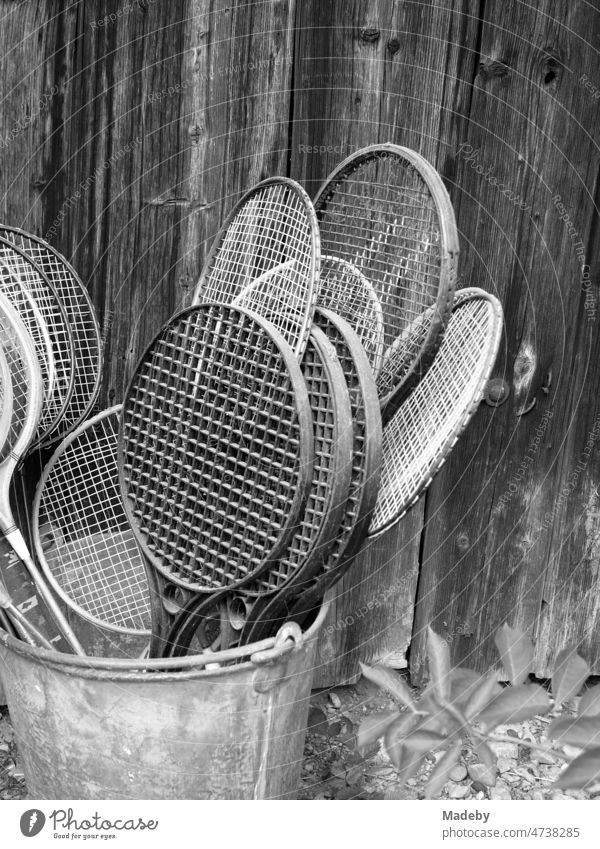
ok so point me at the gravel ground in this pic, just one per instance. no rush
(332, 768)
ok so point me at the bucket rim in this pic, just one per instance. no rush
(189, 666)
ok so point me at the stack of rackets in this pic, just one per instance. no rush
(301, 404)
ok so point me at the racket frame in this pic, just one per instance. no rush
(489, 356)
(314, 261)
(449, 252)
(38, 540)
(168, 594)
(31, 417)
(91, 322)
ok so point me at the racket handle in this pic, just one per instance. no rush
(27, 629)
(19, 546)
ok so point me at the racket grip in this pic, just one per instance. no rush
(19, 546)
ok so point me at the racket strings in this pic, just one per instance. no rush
(267, 260)
(22, 389)
(382, 217)
(87, 353)
(348, 293)
(420, 434)
(217, 430)
(360, 468)
(61, 345)
(85, 539)
(31, 316)
(323, 495)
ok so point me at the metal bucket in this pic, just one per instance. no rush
(100, 728)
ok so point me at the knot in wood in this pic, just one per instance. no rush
(370, 35)
(462, 542)
(393, 46)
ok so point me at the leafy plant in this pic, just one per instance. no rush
(460, 707)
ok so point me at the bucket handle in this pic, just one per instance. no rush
(288, 638)
(270, 669)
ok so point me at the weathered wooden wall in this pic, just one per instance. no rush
(138, 135)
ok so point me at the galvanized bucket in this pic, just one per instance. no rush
(103, 728)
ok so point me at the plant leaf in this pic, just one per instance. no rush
(570, 674)
(516, 651)
(372, 728)
(388, 680)
(395, 736)
(485, 755)
(581, 731)
(463, 683)
(438, 654)
(406, 762)
(590, 702)
(583, 772)
(487, 691)
(514, 704)
(442, 771)
(422, 741)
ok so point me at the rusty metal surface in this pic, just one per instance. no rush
(231, 733)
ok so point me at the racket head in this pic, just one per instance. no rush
(6, 398)
(81, 534)
(31, 316)
(82, 320)
(333, 442)
(364, 482)
(344, 290)
(215, 448)
(41, 291)
(27, 386)
(266, 256)
(423, 431)
(386, 210)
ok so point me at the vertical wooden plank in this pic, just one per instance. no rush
(510, 528)
(27, 96)
(237, 70)
(370, 72)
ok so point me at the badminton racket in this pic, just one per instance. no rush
(43, 294)
(215, 452)
(267, 257)
(364, 480)
(385, 210)
(333, 440)
(348, 293)
(423, 431)
(26, 411)
(83, 540)
(82, 322)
